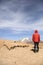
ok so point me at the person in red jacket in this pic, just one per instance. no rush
(36, 40)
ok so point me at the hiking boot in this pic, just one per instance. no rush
(37, 50)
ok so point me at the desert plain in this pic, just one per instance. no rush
(19, 53)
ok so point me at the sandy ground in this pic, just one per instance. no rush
(20, 56)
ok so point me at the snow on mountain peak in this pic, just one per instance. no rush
(25, 40)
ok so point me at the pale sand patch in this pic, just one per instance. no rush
(19, 53)
(20, 56)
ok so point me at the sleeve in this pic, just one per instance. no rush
(39, 38)
(33, 37)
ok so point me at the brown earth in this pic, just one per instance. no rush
(16, 53)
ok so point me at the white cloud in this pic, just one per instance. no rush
(38, 24)
(16, 25)
(15, 20)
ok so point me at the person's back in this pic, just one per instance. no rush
(36, 37)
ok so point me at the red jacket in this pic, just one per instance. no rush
(36, 37)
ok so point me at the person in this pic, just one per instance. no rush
(36, 40)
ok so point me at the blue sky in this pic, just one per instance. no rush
(19, 18)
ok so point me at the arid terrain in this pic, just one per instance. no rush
(18, 53)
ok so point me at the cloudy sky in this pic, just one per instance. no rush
(19, 18)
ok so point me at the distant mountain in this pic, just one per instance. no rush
(26, 40)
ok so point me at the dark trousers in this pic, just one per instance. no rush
(36, 46)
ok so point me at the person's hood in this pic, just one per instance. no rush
(36, 31)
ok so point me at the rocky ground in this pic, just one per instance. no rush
(20, 55)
